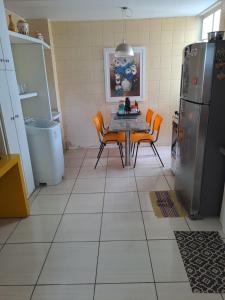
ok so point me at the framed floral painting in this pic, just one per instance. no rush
(124, 77)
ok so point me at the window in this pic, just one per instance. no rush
(210, 23)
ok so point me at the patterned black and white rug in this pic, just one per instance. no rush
(203, 254)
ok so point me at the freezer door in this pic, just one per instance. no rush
(197, 69)
(190, 155)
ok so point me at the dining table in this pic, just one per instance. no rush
(127, 124)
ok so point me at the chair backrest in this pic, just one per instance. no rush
(149, 116)
(98, 126)
(157, 124)
(101, 120)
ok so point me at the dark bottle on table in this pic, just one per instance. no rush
(127, 105)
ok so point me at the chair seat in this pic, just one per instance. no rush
(141, 137)
(114, 137)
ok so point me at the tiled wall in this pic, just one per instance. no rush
(79, 60)
(222, 26)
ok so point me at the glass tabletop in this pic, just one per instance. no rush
(123, 124)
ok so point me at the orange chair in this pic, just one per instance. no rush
(100, 117)
(148, 119)
(108, 138)
(149, 116)
(143, 137)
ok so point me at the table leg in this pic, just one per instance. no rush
(127, 148)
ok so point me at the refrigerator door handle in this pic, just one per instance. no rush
(181, 82)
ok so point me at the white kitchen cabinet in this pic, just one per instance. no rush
(11, 114)
(7, 115)
(6, 47)
(21, 131)
(2, 64)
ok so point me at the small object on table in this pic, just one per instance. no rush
(121, 109)
(13, 201)
(127, 105)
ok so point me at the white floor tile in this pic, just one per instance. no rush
(70, 263)
(71, 162)
(89, 185)
(93, 152)
(90, 172)
(171, 181)
(178, 291)
(49, 204)
(6, 228)
(34, 195)
(114, 162)
(139, 291)
(35, 229)
(163, 228)
(15, 292)
(207, 224)
(85, 203)
(114, 152)
(79, 227)
(166, 261)
(64, 187)
(127, 184)
(119, 171)
(148, 184)
(122, 262)
(63, 292)
(76, 153)
(147, 160)
(121, 202)
(122, 226)
(148, 170)
(21, 263)
(71, 173)
(146, 204)
(90, 162)
(167, 171)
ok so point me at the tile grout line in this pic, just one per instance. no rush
(99, 242)
(150, 260)
(91, 284)
(31, 296)
(187, 223)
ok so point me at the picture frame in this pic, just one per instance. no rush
(124, 77)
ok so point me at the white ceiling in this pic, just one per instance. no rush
(105, 9)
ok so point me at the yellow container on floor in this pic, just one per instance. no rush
(13, 194)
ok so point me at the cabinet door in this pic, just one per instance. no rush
(2, 64)
(7, 116)
(21, 131)
(4, 36)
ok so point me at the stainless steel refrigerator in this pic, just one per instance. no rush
(200, 168)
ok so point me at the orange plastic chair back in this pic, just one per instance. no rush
(149, 116)
(101, 120)
(157, 123)
(97, 126)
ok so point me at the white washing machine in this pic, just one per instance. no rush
(46, 151)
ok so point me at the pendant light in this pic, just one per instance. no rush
(123, 49)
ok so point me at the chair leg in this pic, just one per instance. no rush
(153, 149)
(136, 154)
(157, 154)
(121, 153)
(121, 149)
(99, 153)
(133, 149)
